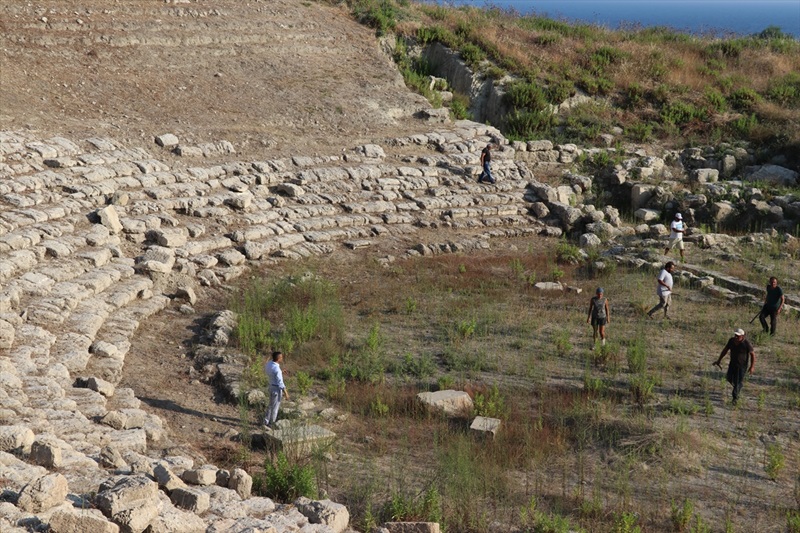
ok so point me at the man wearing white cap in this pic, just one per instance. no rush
(741, 351)
(676, 230)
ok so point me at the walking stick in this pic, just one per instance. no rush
(757, 315)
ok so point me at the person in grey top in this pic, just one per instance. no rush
(277, 389)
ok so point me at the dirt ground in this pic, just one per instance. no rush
(275, 78)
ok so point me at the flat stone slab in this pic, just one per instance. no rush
(450, 402)
(487, 427)
(299, 439)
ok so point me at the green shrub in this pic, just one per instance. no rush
(421, 366)
(793, 521)
(527, 125)
(639, 131)
(775, 461)
(406, 508)
(524, 95)
(636, 354)
(716, 100)
(568, 253)
(286, 482)
(490, 404)
(379, 14)
(786, 90)
(472, 54)
(680, 113)
(634, 96)
(559, 90)
(304, 382)
(625, 522)
(605, 56)
(459, 107)
(743, 126)
(744, 99)
(642, 387)
(681, 515)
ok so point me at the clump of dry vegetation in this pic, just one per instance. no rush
(639, 433)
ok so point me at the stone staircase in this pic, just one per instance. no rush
(92, 233)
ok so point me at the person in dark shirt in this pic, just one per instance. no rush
(741, 351)
(486, 159)
(773, 303)
(599, 315)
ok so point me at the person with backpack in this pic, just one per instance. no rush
(599, 315)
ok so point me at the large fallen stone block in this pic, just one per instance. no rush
(72, 520)
(484, 426)
(15, 439)
(130, 501)
(450, 402)
(299, 440)
(333, 515)
(43, 493)
(194, 500)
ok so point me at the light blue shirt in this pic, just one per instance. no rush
(275, 375)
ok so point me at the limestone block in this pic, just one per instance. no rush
(194, 500)
(46, 454)
(205, 475)
(548, 286)
(485, 426)
(68, 519)
(589, 240)
(646, 215)
(231, 258)
(115, 419)
(450, 402)
(130, 501)
(187, 293)
(333, 515)
(167, 140)
(15, 439)
(109, 218)
(705, 175)
(641, 193)
(539, 146)
(411, 527)
(170, 238)
(568, 215)
(299, 440)
(241, 482)
(43, 493)
(775, 175)
(156, 259)
(7, 333)
(290, 189)
(173, 520)
(111, 458)
(101, 386)
(167, 479)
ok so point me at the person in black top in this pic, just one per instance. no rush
(486, 158)
(741, 351)
(773, 303)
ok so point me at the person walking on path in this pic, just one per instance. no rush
(664, 290)
(741, 351)
(676, 229)
(277, 389)
(599, 315)
(773, 303)
(486, 159)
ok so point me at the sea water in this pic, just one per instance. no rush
(699, 17)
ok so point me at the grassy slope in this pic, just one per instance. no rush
(658, 84)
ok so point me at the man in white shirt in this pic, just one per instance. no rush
(676, 230)
(664, 290)
(277, 389)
